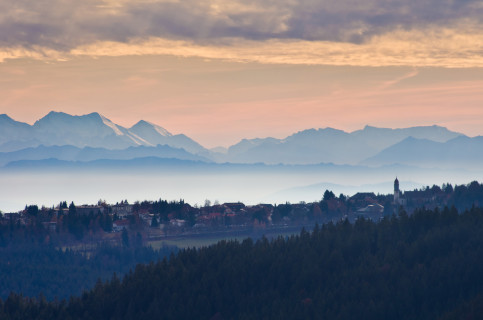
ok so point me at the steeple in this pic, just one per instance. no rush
(396, 192)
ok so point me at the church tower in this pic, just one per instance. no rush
(396, 192)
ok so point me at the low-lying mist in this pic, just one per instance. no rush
(250, 184)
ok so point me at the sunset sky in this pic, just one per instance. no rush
(222, 70)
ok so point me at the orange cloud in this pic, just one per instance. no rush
(445, 48)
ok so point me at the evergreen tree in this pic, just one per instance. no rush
(125, 238)
(154, 222)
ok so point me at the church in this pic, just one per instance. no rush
(398, 200)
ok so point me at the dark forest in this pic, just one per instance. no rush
(423, 266)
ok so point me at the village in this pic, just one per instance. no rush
(155, 220)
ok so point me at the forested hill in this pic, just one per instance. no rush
(425, 266)
(37, 269)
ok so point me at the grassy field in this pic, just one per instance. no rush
(205, 240)
(187, 242)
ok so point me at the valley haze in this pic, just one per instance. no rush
(86, 158)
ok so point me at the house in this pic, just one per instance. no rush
(373, 212)
(119, 225)
(363, 196)
(363, 199)
(371, 209)
(122, 209)
(233, 207)
(85, 210)
(14, 216)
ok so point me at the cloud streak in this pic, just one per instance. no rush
(62, 25)
(416, 49)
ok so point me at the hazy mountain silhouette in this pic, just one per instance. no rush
(381, 138)
(304, 147)
(72, 153)
(15, 135)
(155, 135)
(460, 152)
(113, 164)
(91, 130)
(424, 145)
(329, 145)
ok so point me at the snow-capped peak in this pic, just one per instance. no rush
(143, 125)
(111, 125)
(162, 131)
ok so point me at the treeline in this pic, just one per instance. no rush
(424, 266)
(462, 197)
(466, 196)
(163, 209)
(35, 225)
(81, 224)
(66, 223)
(35, 270)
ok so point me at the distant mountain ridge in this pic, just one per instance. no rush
(90, 130)
(329, 145)
(93, 137)
(72, 153)
(462, 151)
(381, 138)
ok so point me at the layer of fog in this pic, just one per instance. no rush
(251, 186)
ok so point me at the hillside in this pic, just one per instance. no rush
(424, 266)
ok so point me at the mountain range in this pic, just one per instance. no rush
(72, 153)
(330, 145)
(91, 130)
(461, 152)
(92, 137)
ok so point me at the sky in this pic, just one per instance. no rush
(219, 71)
